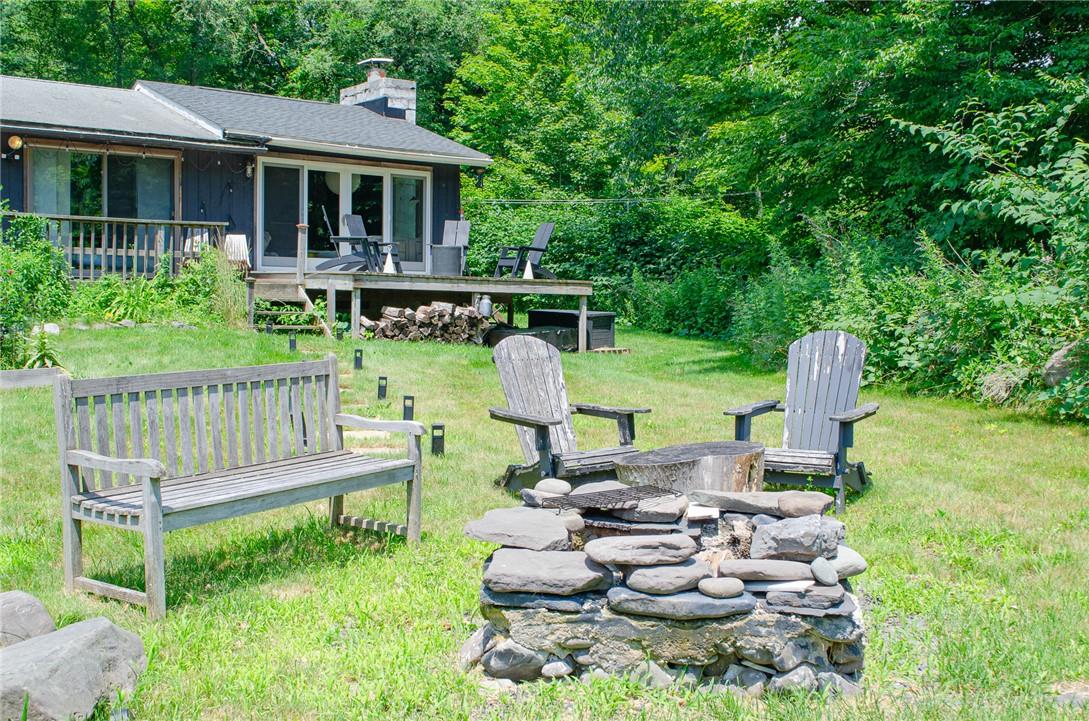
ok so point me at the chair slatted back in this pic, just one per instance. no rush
(455, 233)
(824, 370)
(540, 241)
(355, 226)
(201, 421)
(532, 379)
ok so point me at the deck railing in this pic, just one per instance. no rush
(130, 247)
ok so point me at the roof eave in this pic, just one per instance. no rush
(384, 153)
(104, 136)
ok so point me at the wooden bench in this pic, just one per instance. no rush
(155, 453)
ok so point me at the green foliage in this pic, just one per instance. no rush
(42, 352)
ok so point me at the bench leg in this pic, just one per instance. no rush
(336, 510)
(154, 567)
(73, 551)
(415, 490)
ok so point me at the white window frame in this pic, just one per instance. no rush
(345, 169)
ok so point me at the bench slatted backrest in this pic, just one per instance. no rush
(824, 370)
(201, 421)
(532, 379)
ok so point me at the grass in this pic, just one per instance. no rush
(976, 529)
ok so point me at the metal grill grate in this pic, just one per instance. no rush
(609, 500)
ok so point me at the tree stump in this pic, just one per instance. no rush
(720, 466)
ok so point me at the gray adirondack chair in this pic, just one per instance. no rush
(532, 379)
(824, 370)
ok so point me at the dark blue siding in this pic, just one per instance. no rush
(12, 176)
(445, 198)
(215, 187)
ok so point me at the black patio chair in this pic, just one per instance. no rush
(513, 258)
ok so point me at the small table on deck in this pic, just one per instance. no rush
(715, 466)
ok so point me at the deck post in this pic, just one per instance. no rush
(251, 301)
(300, 253)
(330, 304)
(582, 324)
(510, 311)
(356, 293)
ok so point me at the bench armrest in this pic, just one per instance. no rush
(855, 414)
(140, 467)
(753, 409)
(522, 419)
(371, 424)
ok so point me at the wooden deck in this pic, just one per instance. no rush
(420, 288)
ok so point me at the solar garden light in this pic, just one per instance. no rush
(358, 364)
(268, 326)
(438, 439)
(340, 333)
(382, 384)
(291, 342)
(409, 407)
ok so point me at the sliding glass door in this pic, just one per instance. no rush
(393, 205)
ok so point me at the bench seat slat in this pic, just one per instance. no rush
(584, 462)
(801, 461)
(192, 492)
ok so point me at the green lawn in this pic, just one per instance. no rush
(976, 529)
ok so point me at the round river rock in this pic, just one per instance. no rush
(722, 587)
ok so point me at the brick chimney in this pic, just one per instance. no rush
(387, 96)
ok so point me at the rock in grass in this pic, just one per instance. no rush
(797, 539)
(722, 587)
(671, 578)
(800, 679)
(68, 672)
(848, 562)
(532, 528)
(476, 646)
(553, 485)
(834, 683)
(557, 669)
(678, 606)
(513, 661)
(765, 570)
(21, 617)
(824, 572)
(559, 573)
(641, 550)
(651, 674)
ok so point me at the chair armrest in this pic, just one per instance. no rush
(519, 247)
(522, 419)
(855, 414)
(592, 409)
(753, 409)
(141, 467)
(372, 424)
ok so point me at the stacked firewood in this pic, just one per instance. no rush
(444, 322)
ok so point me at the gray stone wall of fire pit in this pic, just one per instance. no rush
(730, 592)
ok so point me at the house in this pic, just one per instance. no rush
(127, 177)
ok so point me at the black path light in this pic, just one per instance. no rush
(268, 327)
(382, 385)
(358, 359)
(409, 405)
(340, 333)
(438, 439)
(292, 344)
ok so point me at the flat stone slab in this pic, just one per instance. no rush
(513, 661)
(748, 569)
(22, 617)
(534, 528)
(766, 586)
(579, 603)
(685, 606)
(559, 573)
(820, 597)
(846, 607)
(741, 502)
(664, 509)
(66, 673)
(794, 504)
(797, 539)
(641, 550)
(671, 578)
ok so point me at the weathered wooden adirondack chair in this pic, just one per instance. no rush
(823, 374)
(532, 379)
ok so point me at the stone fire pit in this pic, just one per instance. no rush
(739, 592)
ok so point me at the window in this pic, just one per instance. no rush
(70, 182)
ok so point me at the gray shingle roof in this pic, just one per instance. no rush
(96, 109)
(311, 121)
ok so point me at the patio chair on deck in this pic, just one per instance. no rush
(824, 370)
(515, 257)
(358, 253)
(448, 257)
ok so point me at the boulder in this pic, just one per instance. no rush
(21, 617)
(848, 562)
(559, 573)
(532, 528)
(797, 539)
(764, 570)
(66, 673)
(722, 587)
(741, 502)
(800, 679)
(763, 519)
(51, 329)
(671, 578)
(557, 669)
(1060, 365)
(474, 648)
(641, 550)
(795, 652)
(679, 606)
(651, 674)
(794, 504)
(834, 683)
(824, 572)
(553, 485)
(664, 509)
(513, 661)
